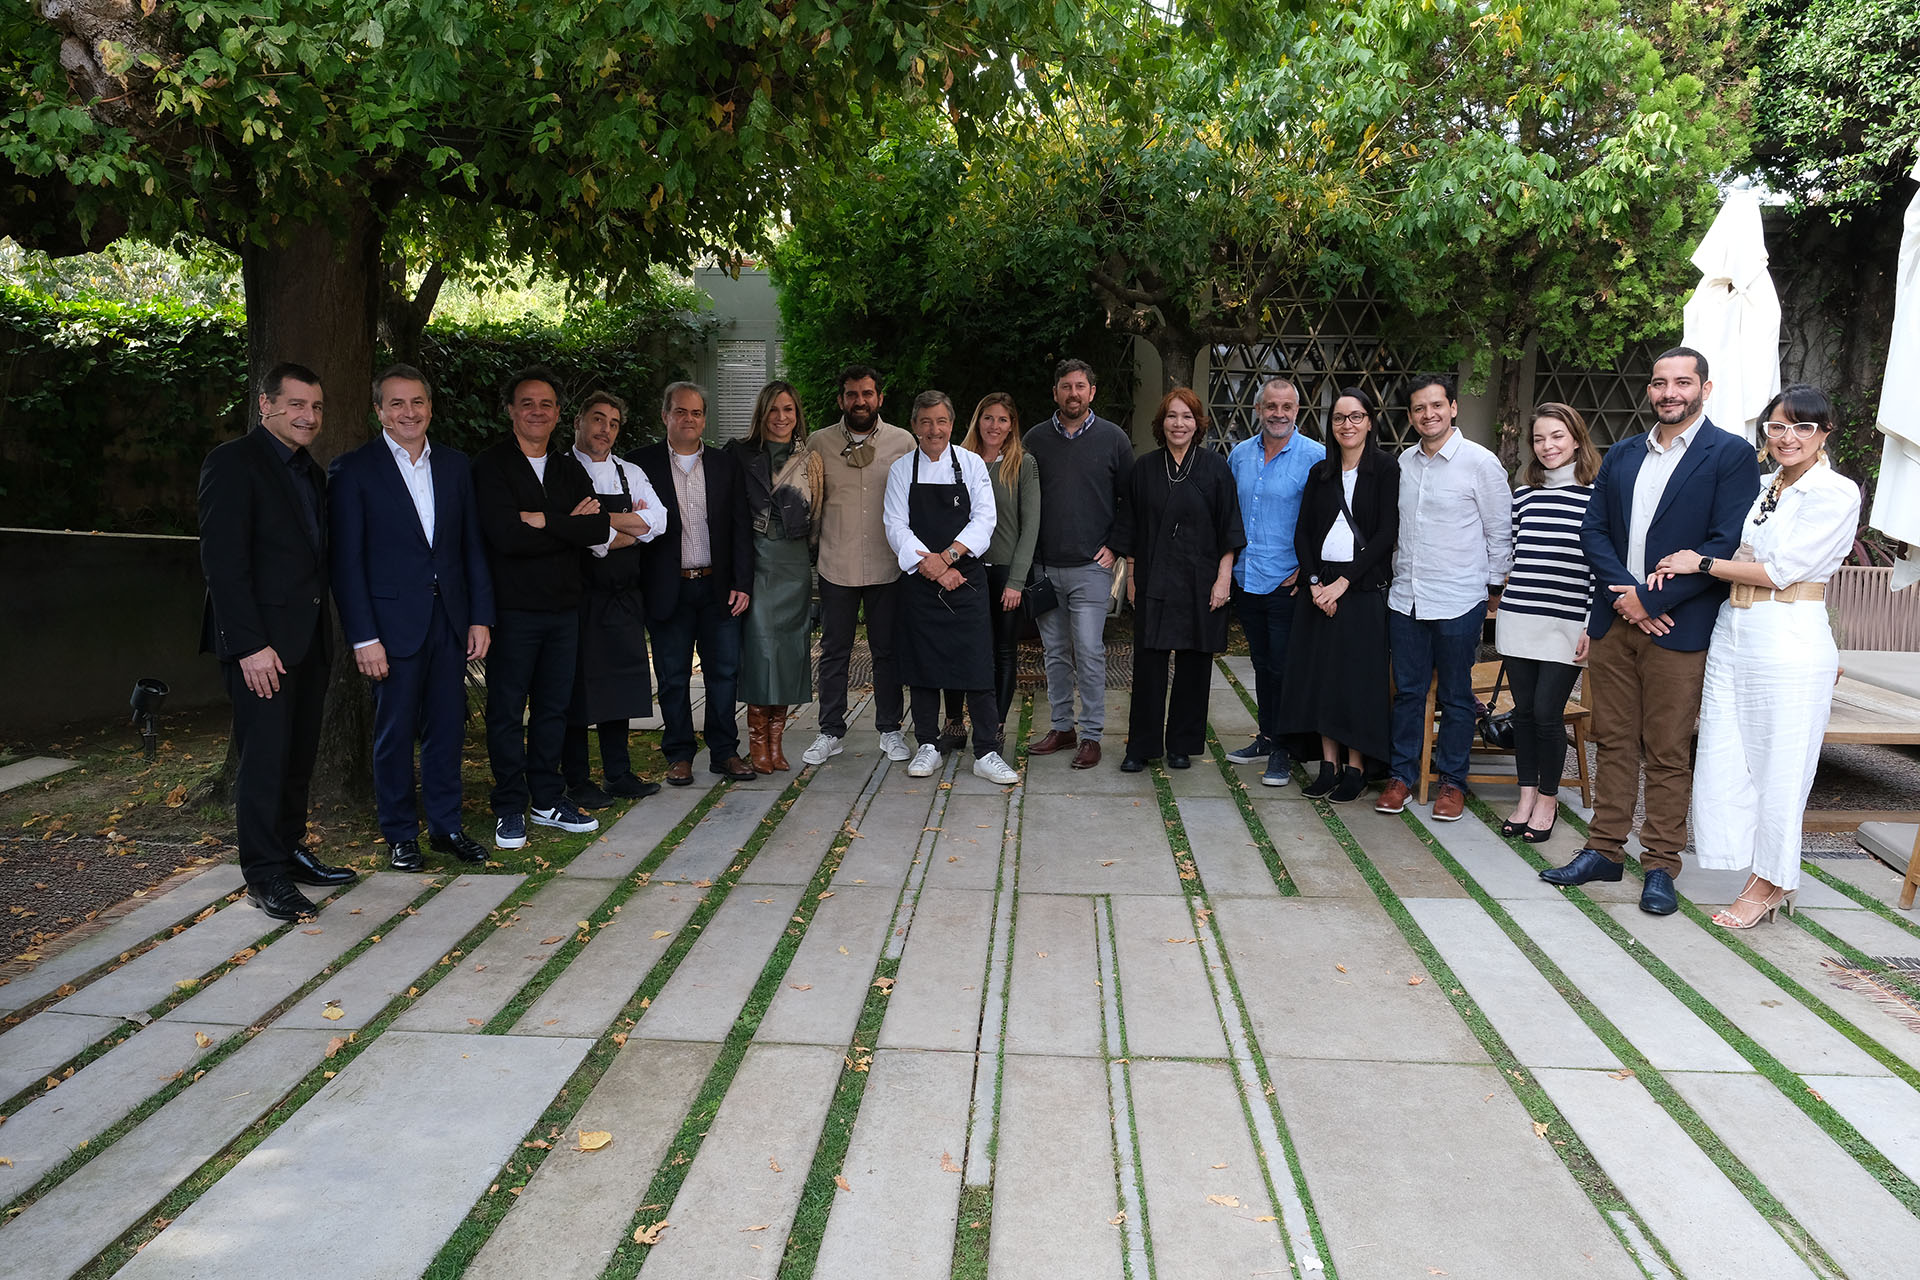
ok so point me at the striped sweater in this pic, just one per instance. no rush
(1548, 593)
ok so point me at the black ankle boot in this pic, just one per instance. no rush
(1352, 783)
(1323, 785)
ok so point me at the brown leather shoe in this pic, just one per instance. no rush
(736, 768)
(1449, 804)
(680, 773)
(1087, 756)
(1394, 798)
(1051, 741)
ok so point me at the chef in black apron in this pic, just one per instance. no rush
(939, 518)
(612, 683)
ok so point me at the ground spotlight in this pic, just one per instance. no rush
(149, 695)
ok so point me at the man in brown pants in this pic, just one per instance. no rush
(1684, 484)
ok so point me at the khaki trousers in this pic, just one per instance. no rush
(1646, 700)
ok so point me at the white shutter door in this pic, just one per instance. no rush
(742, 372)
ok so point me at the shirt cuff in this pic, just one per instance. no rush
(367, 644)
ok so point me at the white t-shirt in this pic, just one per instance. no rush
(1338, 546)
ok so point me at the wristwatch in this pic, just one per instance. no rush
(1313, 579)
(1706, 564)
(952, 554)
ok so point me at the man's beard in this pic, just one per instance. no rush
(1667, 417)
(860, 418)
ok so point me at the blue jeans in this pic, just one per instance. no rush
(1073, 637)
(699, 618)
(1422, 647)
(1268, 621)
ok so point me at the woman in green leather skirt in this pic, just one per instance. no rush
(784, 492)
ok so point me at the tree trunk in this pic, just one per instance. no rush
(314, 299)
(1177, 348)
(404, 314)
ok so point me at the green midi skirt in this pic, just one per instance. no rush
(776, 658)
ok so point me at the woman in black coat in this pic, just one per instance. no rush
(1178, 525)
(1338, 672)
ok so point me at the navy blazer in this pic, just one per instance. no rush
(384, 573)
(729, 528)
(1702, 509)
(266, 573)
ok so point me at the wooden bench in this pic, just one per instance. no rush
(1893, 842)
(1579, 720)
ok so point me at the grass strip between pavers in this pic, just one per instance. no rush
(1262, 841)
(1134, 1218)
(1817, 1109)
(972, 1231)
(1891, 914)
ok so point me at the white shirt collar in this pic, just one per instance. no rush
(1447, 450)
(586, 459)
(1681, 441)
(400, 454)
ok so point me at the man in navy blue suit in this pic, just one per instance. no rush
(416, 603)
(1685, 484)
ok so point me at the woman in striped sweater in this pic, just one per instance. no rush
(1541, 626)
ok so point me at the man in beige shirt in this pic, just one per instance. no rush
(857, 567)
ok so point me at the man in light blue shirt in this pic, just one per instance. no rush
(1270, 471)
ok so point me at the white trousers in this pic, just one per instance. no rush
(1763, 712)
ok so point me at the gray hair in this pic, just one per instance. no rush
(404, 372)
(1271, 383)
(929, 399)
(674, 389)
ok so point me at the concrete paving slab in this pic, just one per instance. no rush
(771, 1118)
(247, 992)
(792, 853)
(1885, 1111)
(849, 771)
(1478, 848)
(1871, 933)
(158, 912)
(1223, 849)
(936, 999)
(45, 1041)
(1868, 873)
(907, 1148)
(967, 855)
(1783, 1026)
(1859, 1222)
(707, 991)
(1053, 1000)
(715, 844)
(1319, 867)
(1671, 1036)
(491, 974)
(1711, 1231)
(1165, 997)
(1055, 775)
(622, 847)
(1535, 1021)
(585, 997)
(1467, 1190)
(888, 835)
(47, 1130)
(575, 1211)
(1194, 1145)
(456, 1105)
(33, 769)
(66, 1228)
(1875, 1007)
(390, 966)
(820, 998)
(1288, 955)
(1408, 865)
(1094, 845)
(1054, 1191)
(148, 979)
(1712, 889)
(1203, 779)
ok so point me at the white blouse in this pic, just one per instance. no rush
(908, 549)
(1810, 532)
(1337, 547)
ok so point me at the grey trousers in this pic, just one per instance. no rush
(1074, 638)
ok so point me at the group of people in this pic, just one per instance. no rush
(1360, 580)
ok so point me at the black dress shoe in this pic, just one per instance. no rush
(1177, 761)
(406, 856)
(281, 900)
(460, 845)
(1132, 764)
(1657, 895)
(1588, 864)
(588, 796)
(304, 868)
(630, 787)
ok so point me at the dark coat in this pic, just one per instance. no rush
(1376, 516)
(384, 573)
(266, 572)
(729, 528)
(536, 569)
(1176, 534)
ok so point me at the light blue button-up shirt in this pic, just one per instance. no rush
(1270, 507)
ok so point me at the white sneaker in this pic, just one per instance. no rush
(895, 745)
(995, 770)
(926, 761)
(824, 748)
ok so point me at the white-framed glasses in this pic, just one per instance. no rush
(1805, 430)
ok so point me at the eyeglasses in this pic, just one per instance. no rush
(1805, 430)
(1344, 419)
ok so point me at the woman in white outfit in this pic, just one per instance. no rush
(1772, 661)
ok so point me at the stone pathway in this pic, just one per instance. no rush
(846, 1022)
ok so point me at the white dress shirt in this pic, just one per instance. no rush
(606, 482)
(1456, 530)
(907, 548)
(418, 476)
(1811, 532)
(1648, 486)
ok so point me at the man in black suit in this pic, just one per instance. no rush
(696, 582)
(263, 548)
(416, 603)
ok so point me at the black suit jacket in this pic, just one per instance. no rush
(266, 574)
(535, 569)
(729, 527)
(1376, 517)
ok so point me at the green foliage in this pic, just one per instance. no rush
(130, 271)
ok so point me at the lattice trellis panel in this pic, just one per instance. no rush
(1613, 401)
(1322, 346)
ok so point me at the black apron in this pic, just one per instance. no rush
(611, 679)
(944, 638)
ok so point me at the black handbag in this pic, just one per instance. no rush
(1496, 728)
(1040, 596)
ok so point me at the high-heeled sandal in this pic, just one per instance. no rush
(1540, 835)
(1510, 829)
(1782, 899)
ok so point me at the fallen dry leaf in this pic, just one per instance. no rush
(6, 1162)
(946, 1163)
(662, 933)
(593, 1140)
(1117, 1218)
(1221, 1165)
(1342, 968)
(1624, 1073)
(202, 1039)
(1415, 980)
(823, 897)
(883, 983)
(313, 933)
(1266, 1218)
(774, 1165)
(762, 1227)
(801, 986)
(335, 1045)
(619, 1038)
(1107, 862)
(476, 1022)
(333, 1013)
(558, 937)
(650, 1235)
(1539, 1129)
(841, 1182)
(1229, 1202)
(177, 796)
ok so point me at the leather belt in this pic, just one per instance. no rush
(1743, 596)
(704, 571)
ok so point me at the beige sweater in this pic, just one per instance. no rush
(853, 535)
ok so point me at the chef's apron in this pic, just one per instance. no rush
(612, 680)
(944, 638)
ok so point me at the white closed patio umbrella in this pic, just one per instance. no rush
(1733, 317)
(1896, 496)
